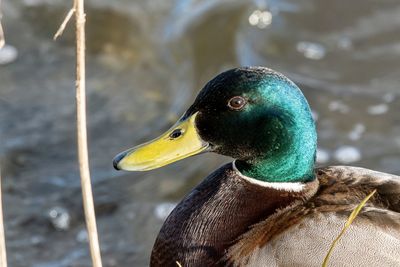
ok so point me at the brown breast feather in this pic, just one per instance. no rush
(210, 219)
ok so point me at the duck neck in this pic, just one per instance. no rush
(291, 157)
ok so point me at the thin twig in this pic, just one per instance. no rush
(82, 135)
(3, 254)
(2, 40)
(64, 23)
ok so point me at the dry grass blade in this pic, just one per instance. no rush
(178, 264)
(3, 255)
(349, 221)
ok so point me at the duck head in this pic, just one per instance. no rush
(254, 115)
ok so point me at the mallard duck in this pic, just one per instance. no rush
(270, 206)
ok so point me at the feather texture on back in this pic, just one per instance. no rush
(301, 234)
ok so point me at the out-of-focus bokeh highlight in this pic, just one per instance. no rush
(146, 61)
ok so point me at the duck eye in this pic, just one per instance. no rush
(236, 103)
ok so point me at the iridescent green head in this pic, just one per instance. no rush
(255, 115)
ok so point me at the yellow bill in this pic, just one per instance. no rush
(179, 142)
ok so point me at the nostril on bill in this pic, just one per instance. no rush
(175, 133)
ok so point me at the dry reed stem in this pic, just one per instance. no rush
(3, 254)
(3, 250)
(82, 135)
(83, 156)
(2, 41)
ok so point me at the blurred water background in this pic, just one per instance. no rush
(146, 61)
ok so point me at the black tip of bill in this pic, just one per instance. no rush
(117, 159)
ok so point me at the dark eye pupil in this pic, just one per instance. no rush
(176, 133)
(236, 102)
